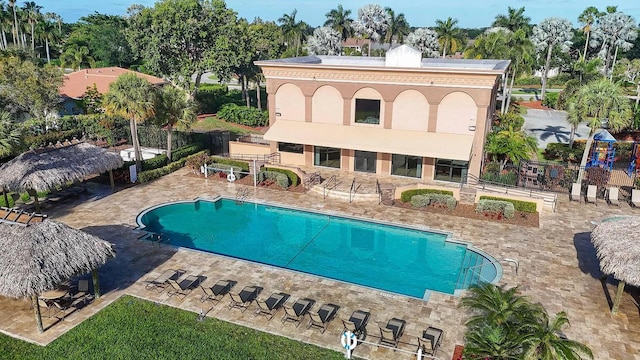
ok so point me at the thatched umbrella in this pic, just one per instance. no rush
(617, 243)
(49, 167)
(38, 254)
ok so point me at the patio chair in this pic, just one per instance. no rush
(270, 307)
(184, 287)
(613, 196)
(62, 305)
(357, 323)
(391, 333)
(244, 298)
(48, 306)
(591, 194)
(82, 293)
(161, 282)
(323, 316)
(297, 311)
(576, 189)
(217, 291)
(635, 198)
(430, 340)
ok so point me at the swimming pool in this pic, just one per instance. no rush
(396, 259)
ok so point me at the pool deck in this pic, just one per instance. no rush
(558, 268)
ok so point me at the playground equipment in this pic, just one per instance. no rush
(602, 151)
(634, 165)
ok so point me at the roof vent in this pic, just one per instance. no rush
(403, 56)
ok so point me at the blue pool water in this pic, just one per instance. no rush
(386, 257)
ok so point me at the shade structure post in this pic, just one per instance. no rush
(112, 181)
(36, 310)
(6, 198)
(618, 298)
(96, 283)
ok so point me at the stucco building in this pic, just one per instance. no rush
(399, 115)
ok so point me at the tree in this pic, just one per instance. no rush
(398, 26)
(47, 33)
(587, 18)
(174, 109)
(6, 22)
(10, 135)
(266, 38)
(339, 20)
(92, 100)
(76, 56)
(629, 71)
(372, 22)
(293, 31)
(510, 145)
(546, 342)
(133, 98)
(614, 31)
(497, 305)
(490, 341)
(325, 41)
(492, 44)
(104, 36)
(12, 3)
(449, 36)
(425, 40)
(548, 34)
(514, 20)
(32, 11)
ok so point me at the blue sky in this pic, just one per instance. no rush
(470, 13)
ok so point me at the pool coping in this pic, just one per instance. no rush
(427, 294)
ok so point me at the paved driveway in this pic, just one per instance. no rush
(551, 126)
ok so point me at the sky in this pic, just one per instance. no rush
(419, 13)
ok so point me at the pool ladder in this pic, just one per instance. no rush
(241, 196)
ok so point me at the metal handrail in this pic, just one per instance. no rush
(353, 190)
(379, 192)
(327, 183)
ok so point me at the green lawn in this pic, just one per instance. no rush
(213, 123)
(132, 328)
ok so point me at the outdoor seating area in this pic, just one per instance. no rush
(65, 299)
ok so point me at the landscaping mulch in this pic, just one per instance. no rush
(469, 212)
(533, 105)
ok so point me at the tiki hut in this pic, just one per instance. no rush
(617, 244)
(55, 166)
(39, 254)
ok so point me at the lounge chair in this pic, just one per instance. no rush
(161, 282)
(270, 307)
(357, 323)
(576, 189)
(591, 194)
(184, 287)
(297, 311)
(635, 198)
(323, 316)
(390, 334)
(613, 196)
(244, 298)
(430, 340)
(217, 291)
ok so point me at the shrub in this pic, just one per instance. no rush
(550, 100)
(281, 179)
(524, 206)
(527, 80)
(294, 180)
(51, 137)
(243, 115)
(146, 176)
(508, 178)
(195, 161)
(225, 167)
(408, 194)
(237, 163)
(210, 97)
(506, 208)
(185, 151)
(431, 198)
(420, 201)
(155, 162)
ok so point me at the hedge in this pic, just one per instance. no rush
(280, 178)
(505, 207)
(185, 151)
(155, 162)
(241, 164)
(524, 206)
(243, 115)
(294, 180)
(146, 176)
(408, 194)
(427, 199)
(225, 167)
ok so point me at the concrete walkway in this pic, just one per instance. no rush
(558, 268)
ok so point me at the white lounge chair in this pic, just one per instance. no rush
(591, 194)
(635, 198)
(575, 192)
(612, 196)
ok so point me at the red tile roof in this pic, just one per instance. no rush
(75, 84)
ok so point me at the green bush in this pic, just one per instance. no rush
(225, 167)
(51, 137)
(506, 208)
(550, 100)
(527, 80)
(195, 161)
(243, 115)
(524, 206)
(155, 162)
(564, 153)
(294, 180)
(509, 178)
(210, 97)
(560, 79)
(241, 164)
(146, 176)
(430, 198)
(420, 201)
(185, 151)
(408, 194)
(280, 178)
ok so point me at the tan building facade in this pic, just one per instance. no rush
(400, 115)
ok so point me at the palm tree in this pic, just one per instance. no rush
(546, 342)
(133, 98)
(449, 36)
(511, 144)
(490, 341)
(174, 109)
(10, 135)
(32, 11)
(514, 20)
(339, 20)
(47, 32)
(398, 26)
(75, 56)
(5, 20)
(12, 3)
(587, 18)
(496, 305)
(294, 31)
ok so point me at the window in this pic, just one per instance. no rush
(291, 148)
(405, 165)
(367, 111)
(365, 161)
(451, 170)
(326, 156)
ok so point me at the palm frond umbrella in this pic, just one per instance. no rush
(617, 244)
(49, 167)
(39, 254)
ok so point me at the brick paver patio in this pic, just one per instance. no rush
(558, 268)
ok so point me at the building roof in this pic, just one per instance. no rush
(75, 84)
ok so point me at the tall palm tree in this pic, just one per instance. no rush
(339, 20)
(449, 35)
(12, 3)
(174, 109)
(587, 18)
(513, 20)
(133, 98)
(398, 26)
(294, 31)
(47, 32)
(6, 22)
(32, 12)
(546, 342)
